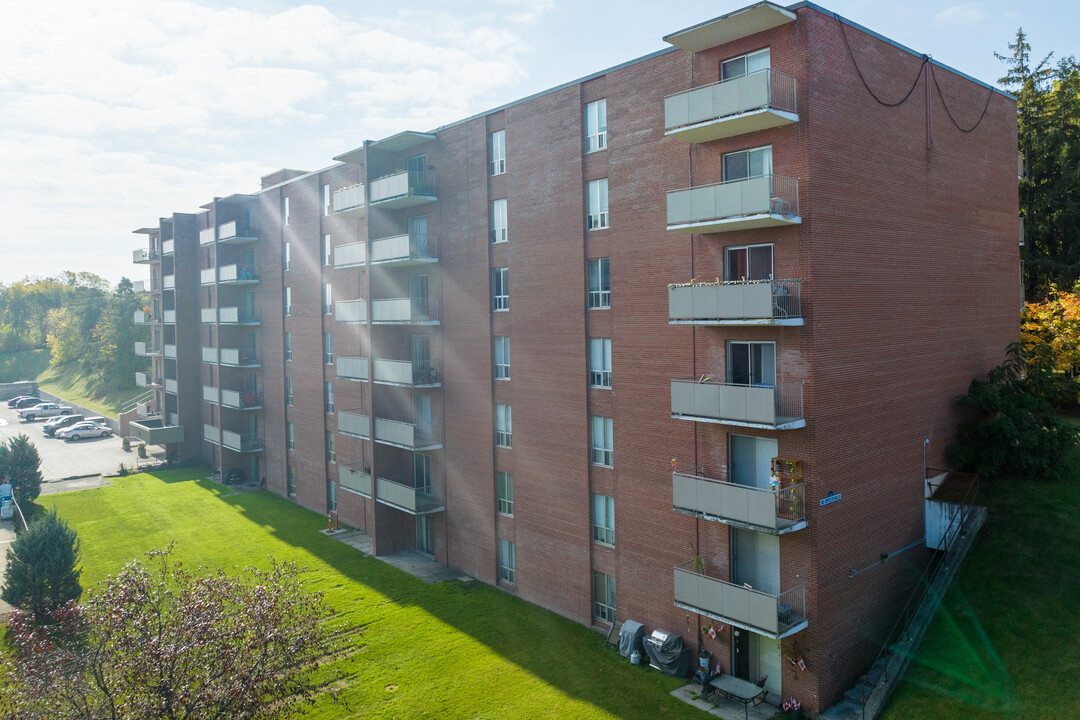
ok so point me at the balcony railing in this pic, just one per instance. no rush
(140, 286)
(207, 276)
(774, 616)
(350, 311)
(210, 394)
(418, 310)
(143, 317)
(763, 201)
(404, 189)
(155, 431)
(228, 316)
(167, 247)
(168, 282)
(241, 400)
(146, 380)
(757, 101)
(774, 511)
(407, 498)
(246, 442)
(211, 433)
(237, 274)
(350, 255)
(777, 407)
(169, 316)
(234, 232)
(140, 349)
(412, 436)
(170, 385)
(352, 368)
(209, 355)
(144, 255)
(355, 423)
(169, 351)
(207, 236)
(239, 357)
(404, 249)
(356, 479)
(143, 410)
(404, 372)
(349, 200)
(766, 302)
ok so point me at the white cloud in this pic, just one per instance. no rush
(967, 14)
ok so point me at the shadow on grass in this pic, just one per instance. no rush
(564, 654)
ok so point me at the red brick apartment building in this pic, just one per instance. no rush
(609, 347)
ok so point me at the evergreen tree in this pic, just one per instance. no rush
(41, 568)
(21, 465)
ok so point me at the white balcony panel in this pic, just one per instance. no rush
(350, 255)
(393, 371)
(349, 200)
(352, 368)
(211, 433)
(206, 236)
(210, 394)
(356, 480)
(206, 276)
(169, 316)
(210, 354)
(766, 201)
(170, 385)
(170, 351)
(208, 315)
(351, 311)
(167, 247)
(169, 282)
(353, 423)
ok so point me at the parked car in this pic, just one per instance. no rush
(44, 410)
(27, 402)
(53, 424)
(84, 429)
(17, 398)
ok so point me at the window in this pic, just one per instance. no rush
(327, 299)
(290, 484)
(288, 390)
(285, 211)
(500, 289)
(603, 444)
(325, 199)
(328, 348)
(597, 205)
(329, 397)
(600, 362)
(503, 426)
(744, 64)
(751, 363)
(290, 437)
(422, 472)
(750, 262)
(327, 251)
(498, 221)
(599, 284)
(596, 126)
(497, 150)
(331, 451)
(288, 256)
(288, 301)
(506, 561)
(502, 357)
(504, 492)
(288, 344)
(603, 519)
(748, 164)
(603, 597)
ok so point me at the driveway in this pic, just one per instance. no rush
(62, 459)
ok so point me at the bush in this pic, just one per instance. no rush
(21, 465)
(126, 444)
(41, 573)
(142, 450)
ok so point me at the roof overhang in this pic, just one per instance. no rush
(234, 199)
(353, 157)
(146, 231)
(727, 28)
(402, 141)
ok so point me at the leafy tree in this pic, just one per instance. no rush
(1014, 429)
(21, 465)
(1055, 322)
(41, 571)
(160, 642)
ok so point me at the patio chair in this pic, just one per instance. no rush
(761, 684)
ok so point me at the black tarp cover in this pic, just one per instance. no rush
(630, 637)
(672, 657)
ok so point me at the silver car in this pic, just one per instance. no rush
(81, 430)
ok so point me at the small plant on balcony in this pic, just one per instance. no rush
(141, 450)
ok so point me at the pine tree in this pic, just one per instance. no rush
(41, 568)
(20, 464)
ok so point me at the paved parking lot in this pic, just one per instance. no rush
(61, 459)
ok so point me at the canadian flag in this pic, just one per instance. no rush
(801, 664)
(712, 632)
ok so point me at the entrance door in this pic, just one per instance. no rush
(421, 358)
(418, 296)
(425, 534)
(751, 460)
(253, 469)
(418, 245)
(422, 472)
(755, 560)
(740, 653)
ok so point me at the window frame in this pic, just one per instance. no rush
(327, 251)
(331, 447)
(328, 298)
(290, 436)
(728, 352)
(328, 348)
(598, 299)
(603, 607)
(326, 199)
(497, 152)
(288, 391)
(596, 205)
(600, 368)
(596, 126)
(502, 352)
(500, 218)
(504, 493)
(288, 256)
(288, 301)
(285, 211)
(729, 271)
(328, 397)
(602, 455)
(745, 57)
(767, 170)
(287, 344)
(603, 519)
(500, 289)
(504, 425)
(507, 561)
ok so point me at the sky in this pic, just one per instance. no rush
(116, 112)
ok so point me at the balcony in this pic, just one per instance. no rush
(354, 423)
(241, 442)
(142, 410)
(209, 355)
(211, 433)
(403, 189)
(350, 255)
(168, 282)
(759, 406)
(414, 249)
(143, 317)
(352, 368)
(170, 385)
(234, 232)
(349, 201)
(767, 302)
(155, 431)
(167, 247)
(407, 498)
(758, 101)
(775, 512)
(237, 275)
(764, 201)
(350, 311)
(411, 436)
(227, 316)
(140, 286)
(207, 276)
(169, 351)
(143, 256)
(207, 236)
(355, 479)
(169, 316)
(241, 400)
(404, 373)
(775, 616)
(239, 357)
(210, 394)
(140, 349)
(405, 311)
(146, 380)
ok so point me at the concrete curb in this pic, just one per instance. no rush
(74, 477)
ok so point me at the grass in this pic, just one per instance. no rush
(73, 386)
(1004, 643)
(23, 365)
(456, 649)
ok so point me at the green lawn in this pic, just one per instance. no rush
(74, 387)
(428, 651)
(1004, 644)
(24, 365)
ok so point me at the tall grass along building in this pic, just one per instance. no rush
(675, 342)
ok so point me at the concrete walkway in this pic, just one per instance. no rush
(7, 536)
(728, 709)
(416, 564)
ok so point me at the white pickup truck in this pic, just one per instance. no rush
(44, 410)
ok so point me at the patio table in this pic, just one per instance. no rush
(737, 689)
